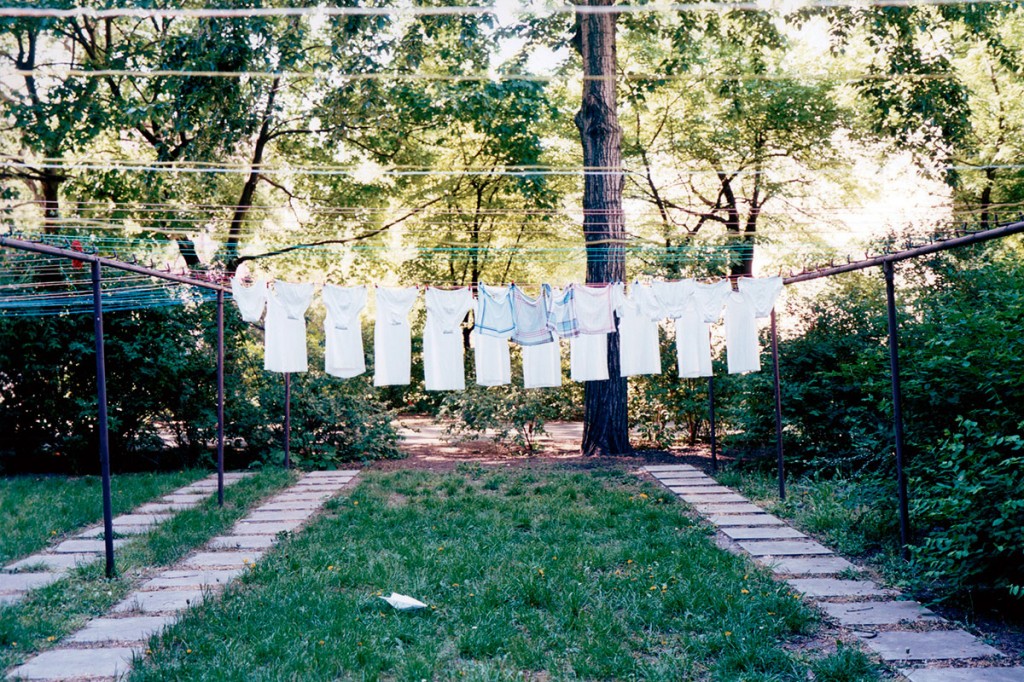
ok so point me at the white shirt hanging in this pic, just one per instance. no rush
(693, 344)
(710, 299)
(392, 343)
(343, 334)
(250, 300)
(639, 352)
(494, 312)
(443, 351)
(285, 328)
(492, 360)
(542, 365)
(594, 308)
(744, 353)
(762, 293)
(588, 357)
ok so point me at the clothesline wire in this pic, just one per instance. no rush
(146, 166)
(322, 11)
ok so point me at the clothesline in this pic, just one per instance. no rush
(582, 313)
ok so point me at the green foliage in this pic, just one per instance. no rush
(509, 413)
(972, 512)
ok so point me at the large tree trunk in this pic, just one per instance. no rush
(49, 183)
(605, 423)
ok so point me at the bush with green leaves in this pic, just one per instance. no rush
(969, 506)
(511, 414)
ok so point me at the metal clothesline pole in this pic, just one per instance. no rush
(220, 398)
(711, 416)
(780, 461)
(287, 419)
(102, 424)
(897, 408)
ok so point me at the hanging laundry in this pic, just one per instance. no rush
(531, 319)
(542, 365)
(285, 327)
(250, 300)
(443, 351)
(762, 293)
(562, 317)
(492, 330)
(594, 308)
(392, 344)
(673, 297)
(639, 352)
(710, 299)
(693, 344)
(343, 334)
(494, 312)
(744, 353)
(588, 357)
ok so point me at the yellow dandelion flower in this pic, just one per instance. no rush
(728, 633)
(51, 638)
(188, 651)
(654, 587)
(744, 591)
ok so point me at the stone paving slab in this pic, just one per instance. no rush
(63, 664)
(728, 508)
(345, 473)
(761, 519)
(303, 497)
(709, 499)
(937, 645)
(701, 489)
(222, 559)
(807, 566)
(82, 546)
(54, 562)
(131, 629)
(194, 578)
(758, 548)
(242, 542)
(11, 598)
(264, 527)
(264, 515)
(161, 507)
(830, 587)
(1015, 674)
(139, 519)
(160, 601)
(184, 499)
(693, 481)
(762, 532)
(669, 467)
(22, 582)
(291, 506)
(877, 612)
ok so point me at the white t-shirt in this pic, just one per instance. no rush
(594, 308)
(588, 357)
(741, 343)
(492, 360)
(639, 352)
(285, 328)
(711, 298)
(250, 300)
(542, 365)
(762, 293)
(343, 334)
(673, 297)
(443, 351)
(392, 343)
(693, 345)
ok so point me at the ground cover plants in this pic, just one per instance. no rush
(528, 574)
(40, 510)
(50, 613)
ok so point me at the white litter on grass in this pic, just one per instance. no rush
(404, 603)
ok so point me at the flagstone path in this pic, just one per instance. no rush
(903, 633)
(106, 647)
(52, 564)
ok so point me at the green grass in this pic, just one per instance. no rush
(39, 510)
(54, 611)
(553, 575)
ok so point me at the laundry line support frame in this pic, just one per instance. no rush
(96, 263)
(887, 263)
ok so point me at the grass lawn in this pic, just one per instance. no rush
(52, 612)
(38, 510)
(528, 575)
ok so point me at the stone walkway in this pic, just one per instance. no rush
(903, 633)
(50, 565)
(106, 646)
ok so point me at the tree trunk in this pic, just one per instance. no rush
(605, 423)
(49, 183)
